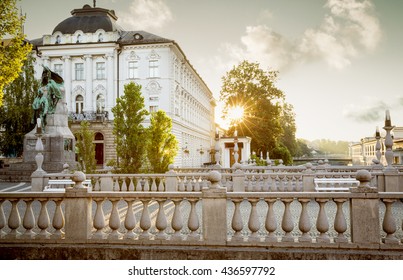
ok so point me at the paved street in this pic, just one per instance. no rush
(15, 187)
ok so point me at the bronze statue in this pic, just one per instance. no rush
(48, 95)
(53, 83)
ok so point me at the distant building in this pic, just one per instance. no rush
(363, 152)
(96, 58)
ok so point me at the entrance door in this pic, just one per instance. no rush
(99, 148)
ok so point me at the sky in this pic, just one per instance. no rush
(339, 62)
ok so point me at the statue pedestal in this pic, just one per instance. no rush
(58, 142)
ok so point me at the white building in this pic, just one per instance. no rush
(96, 58)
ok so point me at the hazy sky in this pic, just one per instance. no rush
(340, 62)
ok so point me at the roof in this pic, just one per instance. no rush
(141, 37)
(88, 20)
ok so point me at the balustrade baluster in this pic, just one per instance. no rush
(177, 221)
(145, 221)
(58, 220)
(340, 224)
(116, 186)
(322, 224)
(43, 219)
(281, 186)
(114, 220)
(389, 223)
(253, 223)
(197, 185)
(181, 186)
(153, 185)
(193, 222)
(138, 185)
(130, 220)
(287, 224)
(304, 221)
(124, 185)
(161, 223)
(14, 220)
(271, 222)
(99, 219)
(97, 186)
(131, 185)
(189, 185)
(265, 183)
(237, 223)
(249, 187)
(161, 186)
(2, 219)
(146, 185)
(29, 220)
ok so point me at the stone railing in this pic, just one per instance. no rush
(363, 218)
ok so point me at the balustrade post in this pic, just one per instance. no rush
(307, 180)
(78, 210)
(238, 179)
(171, 181)
(364, 211)
(107, 182)
(214, 211)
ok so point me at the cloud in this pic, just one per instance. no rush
(146, 15)
(366, 113)
(349, 29)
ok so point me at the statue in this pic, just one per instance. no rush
(53, 83)
(41, 107)
(45, 104)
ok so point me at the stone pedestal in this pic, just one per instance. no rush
(58, 142)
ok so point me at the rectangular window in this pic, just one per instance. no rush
(58, 68)
(100, 70)
(133, 69)
(154, 69)
(79, 71)
(153, 109)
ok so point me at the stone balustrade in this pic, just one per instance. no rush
(210, 215)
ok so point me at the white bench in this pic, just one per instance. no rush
(334, 184)
(62, 183)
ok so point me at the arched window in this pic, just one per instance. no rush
(79, 104)
(100, 37)
(99, 136)
(58, 39)
(78, 38)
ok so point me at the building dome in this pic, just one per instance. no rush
(89, 20)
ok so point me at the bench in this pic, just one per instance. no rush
(62, 183)
(335, 184)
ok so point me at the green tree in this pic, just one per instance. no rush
(86, 148)
(130, 138)
(13, 49)
(16, 114)
(162, 145)
(267, 119)
(288, 139)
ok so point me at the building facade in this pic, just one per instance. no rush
(364, 152)
(96, 58)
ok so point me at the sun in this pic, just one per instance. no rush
(235, 114)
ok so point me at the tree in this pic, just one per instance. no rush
(130, 138)
(288, 138)
(16, 114)
(162, 145)
(13, 49)
(86, 148)
(265, 115)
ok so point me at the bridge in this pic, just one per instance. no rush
(247, 213)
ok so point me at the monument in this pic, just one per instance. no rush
(58, 140)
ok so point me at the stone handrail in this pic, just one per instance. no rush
(212, 216)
